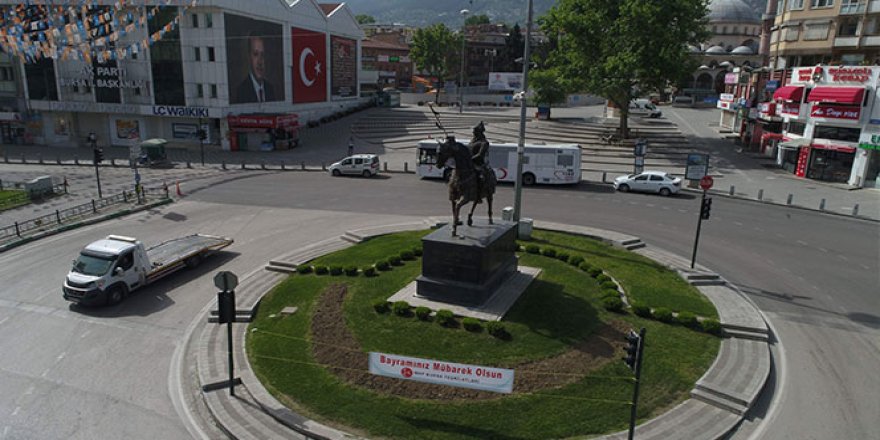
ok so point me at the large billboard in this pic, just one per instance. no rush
(309, 65)
(508, 81)
(254, 60)
(343, 75)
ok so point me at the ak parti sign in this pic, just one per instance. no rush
(849, 113)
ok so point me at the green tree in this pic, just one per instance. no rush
(621, 48)
(474, 20)
(514, 44)
(364, 19)
(435, 50)
(548, 85)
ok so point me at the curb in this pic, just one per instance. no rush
(672, 424)
(81, 223)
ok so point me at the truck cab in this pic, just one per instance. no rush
(106, 270)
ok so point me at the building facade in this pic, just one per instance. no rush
(390, 61)
(248, 73)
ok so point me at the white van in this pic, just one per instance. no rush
(366, 165)
(644, 107)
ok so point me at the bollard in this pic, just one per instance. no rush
(125, 196)
(761, 194)
(732, 189)
(57, 160)
(113, 162)
(242, 165)
(65, 184)
(23, 159)
(855, 210)
(263, 165)
(386, 166)
(303, 165)
(790, 197)
(75, 160)
(188, 165)
(1, 184)
(5, 158)
(323, 166)
(58, 216)
(282, 165)
(17, 231)
(223, 165)
(604, 175)
(822, 205)
(40, 158)
(94, 207)
(406, 167)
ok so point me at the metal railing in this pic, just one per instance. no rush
(63, 216)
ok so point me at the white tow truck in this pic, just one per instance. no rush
(107, 270)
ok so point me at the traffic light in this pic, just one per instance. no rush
(705, 208)
(633, 340)
(99, 155)
(202, 134)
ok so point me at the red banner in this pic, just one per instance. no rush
(803, 158)
(309, 66)
(791, 108)
(264, 121)
(836, 112)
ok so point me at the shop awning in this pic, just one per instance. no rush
(789, 93)
(793, 144)
(833, 147)
(839, 95)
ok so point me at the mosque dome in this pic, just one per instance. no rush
(736, 11)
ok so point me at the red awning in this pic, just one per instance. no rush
(789, 93)
(839, 95)
(833, 147)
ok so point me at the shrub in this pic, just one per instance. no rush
(407, 255)
(335, 270)
(549, 252)
(608, 285)
(687, 319)
(351, 271)
(417, 251)
(594, 271)
(533, 249)
(663, 314)
(711, 326)
(607, 293)
(395, 261)
(445, 317)
(304, 269)
(586, 267)
(369, 271)
(562, 256)
(423, 313)
(576, 260)
(641, 310)
(601, 278)
(497, 330)
(472, 324)
(380, 306)
(613, 304)
(400, 308)
(383, 266)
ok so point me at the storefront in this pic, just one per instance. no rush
(263, 132)
(828, 162)
(12, 130)
(866, 168)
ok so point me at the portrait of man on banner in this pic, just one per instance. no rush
(254, 52)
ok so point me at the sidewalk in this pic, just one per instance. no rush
(718, 403)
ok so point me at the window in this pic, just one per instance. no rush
(796, 128)
(211, 57)
(134, 55)
(346, 162)
(195, 18)
(200, 90)
(791, 33)
(780, 6)
(870, 27)
(795, 4)
(358, 161)
(735, 30)
(816, 31)
(847, 134)
(137, 91)
(565, 160)
(6, 74)
(209, 20)
(852, 6)
(723, 29)
(656, 178)
(197, 51)
(126, 261)
(213, 90)
(822, 4)
(643, 177)
(849, 27)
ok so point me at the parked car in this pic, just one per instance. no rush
(649, 181)
(644, 107)
(683, 101)
(366, 165)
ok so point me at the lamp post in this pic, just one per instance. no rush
(520, 148)
(464, 13)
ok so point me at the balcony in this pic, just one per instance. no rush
(851, 8)
(873, 40)
(846, 42)
(873, 6)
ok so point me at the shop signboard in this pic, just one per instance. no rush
(845, 112)
(726, 97)
(477, 377)
(871, 143)
(731, 78)
(771, 85)
(189, 131)
(697, 166)
(860, 75)
(803, 158)
(791, 108)
(724, 105)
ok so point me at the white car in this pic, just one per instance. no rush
(644, 107)
(366, 165)
(649, 181)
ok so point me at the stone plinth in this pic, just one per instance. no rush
(467, 269)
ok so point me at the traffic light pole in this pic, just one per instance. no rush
(635, 402)
(699, 225)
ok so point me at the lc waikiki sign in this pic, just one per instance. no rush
(498, 380)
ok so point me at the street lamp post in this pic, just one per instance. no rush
(520, 148)
(464, 13)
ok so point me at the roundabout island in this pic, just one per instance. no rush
(310, 340)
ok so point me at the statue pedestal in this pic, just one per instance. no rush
(467, 269)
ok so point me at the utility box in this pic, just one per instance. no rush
(525, 228)
(40, 187)
(507, 214)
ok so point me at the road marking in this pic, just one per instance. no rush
(864, 266)
(29, 391)
(4, 320)
(45, 373)
(17, 409)
(823, 250)
(759, 229)
(801, 242)
(683, 211)
(738, 223)
(85, 333)
(650, 205)
(843, 257)
(60, 356)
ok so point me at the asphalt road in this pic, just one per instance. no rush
(111, 373)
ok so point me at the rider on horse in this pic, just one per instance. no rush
(479, 147)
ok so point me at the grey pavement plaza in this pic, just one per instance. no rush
(394, 133)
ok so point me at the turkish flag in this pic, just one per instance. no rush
(309, 66)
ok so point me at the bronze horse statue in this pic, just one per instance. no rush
(467, 183)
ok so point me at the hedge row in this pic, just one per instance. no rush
(369, 271)
(443, 317)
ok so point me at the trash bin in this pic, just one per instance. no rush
(507, 214)
(525, 228)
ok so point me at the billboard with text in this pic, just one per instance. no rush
(343, 77)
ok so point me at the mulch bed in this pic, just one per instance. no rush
(334, 346)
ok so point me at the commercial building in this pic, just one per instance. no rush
(388, 60)
(248, 73)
